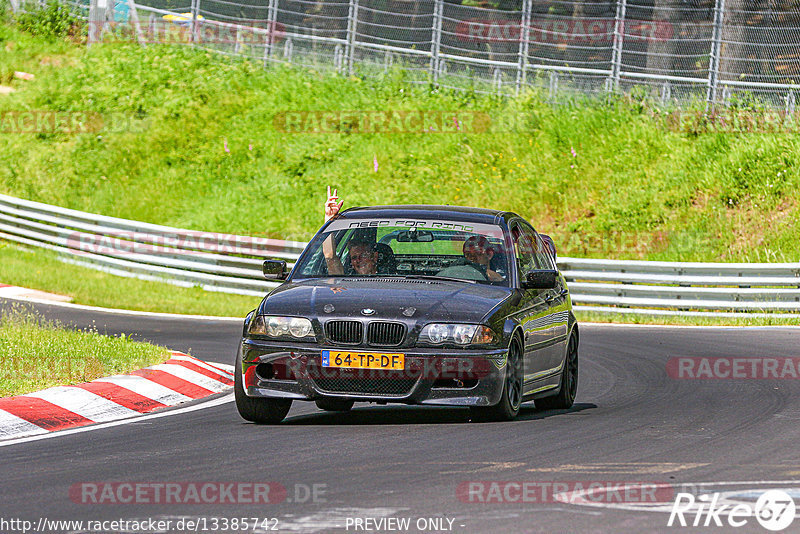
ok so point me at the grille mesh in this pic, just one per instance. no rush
(399, 386)
(350, 332)
(385, 334)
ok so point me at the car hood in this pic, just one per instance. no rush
(388, 297)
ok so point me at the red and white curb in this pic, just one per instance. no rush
(182, 378)
(23, 293)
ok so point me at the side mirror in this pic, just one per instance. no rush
(275, 269)
(540, 280)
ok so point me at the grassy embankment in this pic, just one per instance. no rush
(36, 354)
(605, 179)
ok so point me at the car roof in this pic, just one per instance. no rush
(456, 213)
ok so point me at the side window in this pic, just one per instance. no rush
(541, 255)
(523, 250)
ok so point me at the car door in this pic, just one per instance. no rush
(532, 310)
(557, 317)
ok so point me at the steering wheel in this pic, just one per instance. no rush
(465, 271)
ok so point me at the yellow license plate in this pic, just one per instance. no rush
(363, 360)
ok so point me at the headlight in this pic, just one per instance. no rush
(296, 327)
(459, 334)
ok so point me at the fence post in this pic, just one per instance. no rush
(195, 15)
(352, 27)
(524, 41)
(714, 57)
(14, 6)
(134, 17)
(288, 49)
(97, 20)
(553, 84)
(619, 36)
(436, 38)
(666, 93)
(497, 80)
(272, 23)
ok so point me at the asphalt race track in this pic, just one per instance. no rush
(631, 423)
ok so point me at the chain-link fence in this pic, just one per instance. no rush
(713, 51)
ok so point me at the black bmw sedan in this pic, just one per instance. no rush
(435, 305)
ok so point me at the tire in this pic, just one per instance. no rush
(334, 405)
(258, 410)
(511, 399)
(569, 381)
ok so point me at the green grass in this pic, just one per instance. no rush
(633, 189)
(606, 178)
(36, 354)
(594, 317)
(42, 270)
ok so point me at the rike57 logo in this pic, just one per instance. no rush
(774, 510)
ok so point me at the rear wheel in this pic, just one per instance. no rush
(334, 405)
(569, 381)
(256, 409)
(508, 407)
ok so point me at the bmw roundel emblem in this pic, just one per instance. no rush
(368, 311)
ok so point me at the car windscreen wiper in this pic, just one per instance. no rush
(434, 277)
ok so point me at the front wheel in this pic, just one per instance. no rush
(508, 407)
(569, 381)
(258, 410)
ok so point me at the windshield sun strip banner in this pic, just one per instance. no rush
(426, 224)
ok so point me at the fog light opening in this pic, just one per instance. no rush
(265, 371)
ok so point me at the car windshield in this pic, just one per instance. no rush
(471, 252)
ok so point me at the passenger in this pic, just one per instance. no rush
(363, 254)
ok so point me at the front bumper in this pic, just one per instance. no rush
(449, 377)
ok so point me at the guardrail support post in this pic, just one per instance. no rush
(616, 51)
(714, 56)
(352, 28)
(524, 41)
(14, 6)
(436, 38)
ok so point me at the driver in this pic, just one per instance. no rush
(477, 250)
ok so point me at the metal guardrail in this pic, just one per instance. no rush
(213, 261)
(232, 264)
(633, 286)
